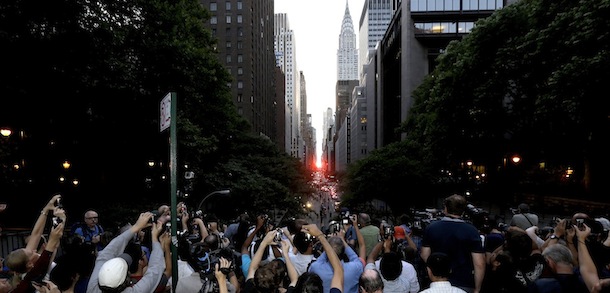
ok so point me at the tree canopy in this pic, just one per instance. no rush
(83, 80)
(528, 81)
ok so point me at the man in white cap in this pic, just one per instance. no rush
(111, 271)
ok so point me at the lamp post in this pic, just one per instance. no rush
(221, 192)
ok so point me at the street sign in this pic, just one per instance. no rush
(166, 116)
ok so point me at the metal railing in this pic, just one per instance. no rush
(11, 239)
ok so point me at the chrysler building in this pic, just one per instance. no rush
(347, 54)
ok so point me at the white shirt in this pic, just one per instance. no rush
(442, 287)
(406, 282)
(301, 262)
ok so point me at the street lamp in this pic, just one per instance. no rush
(6, 132)
(516, 159)
(221, 192)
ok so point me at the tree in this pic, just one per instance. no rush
(96, 70)
(525, 80)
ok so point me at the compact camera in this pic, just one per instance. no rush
(334, 227)
(278, 235)
(388, 231)
(58, 203)
(155, 216)
(57, 221)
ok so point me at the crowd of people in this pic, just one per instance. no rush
(354, 254)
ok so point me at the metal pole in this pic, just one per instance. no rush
(173, 166)
(225, 191)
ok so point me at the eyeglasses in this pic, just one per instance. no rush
(91, 218)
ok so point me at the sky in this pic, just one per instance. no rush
(316, 25)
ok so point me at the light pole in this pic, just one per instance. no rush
(221, 192)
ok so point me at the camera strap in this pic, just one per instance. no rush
(528, 219)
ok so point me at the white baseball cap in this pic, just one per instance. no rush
(114, 272)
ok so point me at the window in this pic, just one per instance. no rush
(240, 98)
(228, 5)
(240, 58)
(213, 20)
(213, 6)
(240, 71)
(239, 5)
(240, 45)
(228, 19)
(240, 84)
(228, 58)
(228, 44)
(239, 19)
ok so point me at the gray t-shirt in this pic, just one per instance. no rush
(524, 220)
(193, 283)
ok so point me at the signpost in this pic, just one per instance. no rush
(167, 119)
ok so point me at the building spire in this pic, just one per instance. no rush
(347, 54)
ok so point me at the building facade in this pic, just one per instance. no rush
(285, 52)
(374, 20)
(244, 30)
(418, 32)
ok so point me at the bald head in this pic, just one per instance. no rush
(370, 282)
(364, 219)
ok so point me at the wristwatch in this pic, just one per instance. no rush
(554, 236)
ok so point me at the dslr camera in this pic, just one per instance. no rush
(196, 214)
(388, 231)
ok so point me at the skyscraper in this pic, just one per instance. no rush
(374, 20)
(244, 30)
(285, 50)
(347, 54)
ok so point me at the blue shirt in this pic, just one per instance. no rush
(351, 271)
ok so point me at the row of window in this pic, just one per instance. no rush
(228, 19)
(240, 45)
(240, 32)
(456, 5)
(443, 27)
(214, 6)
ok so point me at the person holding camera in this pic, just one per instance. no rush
(352, 263)
(524, 218)
(369, 231)
(23, 260)
(111, 271)
(264, 278)
(90, 230)
(27, 261)
(397, 274)
(303, 243)
(461, 241)
(203, 258)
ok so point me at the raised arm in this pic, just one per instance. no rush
(372, 257)
(38, 228)
(337, 280)
(259, 224)
(292, 271)
(258, 255)
(360, 237)
(588, 271)
(165, 241)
